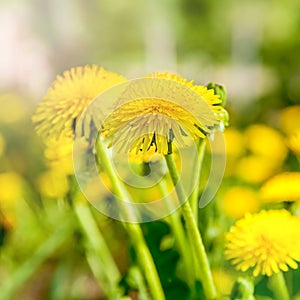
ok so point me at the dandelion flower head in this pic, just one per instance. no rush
(68, 97)
(58, 154)
(266, 242)
(143, 123)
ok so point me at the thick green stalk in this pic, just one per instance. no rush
(193, 232)
(278, 287)
(196, 178)
(98, 254)
(134, 230)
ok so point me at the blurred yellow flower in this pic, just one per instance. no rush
(254, 169)
(11, 193)
(293, 142)
(58, 154)
(235, 142)
(12, 108)
(163, 121)
(68, 97)
(266, 152)
(53, 184)
(290, 119)
(2, 144)
(11, 189)
(282, 187)
(266, 242)
(265, 141)
(237, 201)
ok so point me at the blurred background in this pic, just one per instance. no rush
(251, 47)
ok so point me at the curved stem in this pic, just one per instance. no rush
(134, 230)
(193, 232)
(196, 178)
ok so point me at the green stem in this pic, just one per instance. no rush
(193, 232)
(30, 267)
(278, 286)
(180, 237)
(196, 178)
(134, 230)
(98, 254)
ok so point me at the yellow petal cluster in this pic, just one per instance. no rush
(68, 97)
(144, 124)
(266, 242)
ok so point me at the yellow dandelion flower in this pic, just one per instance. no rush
(282, 187)
(267, 142)
(58, 154)
(68, 97)
(289, 119)
(293, 142)
(208, 94)
(266, 242)
(238, 201)
(142, 123)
